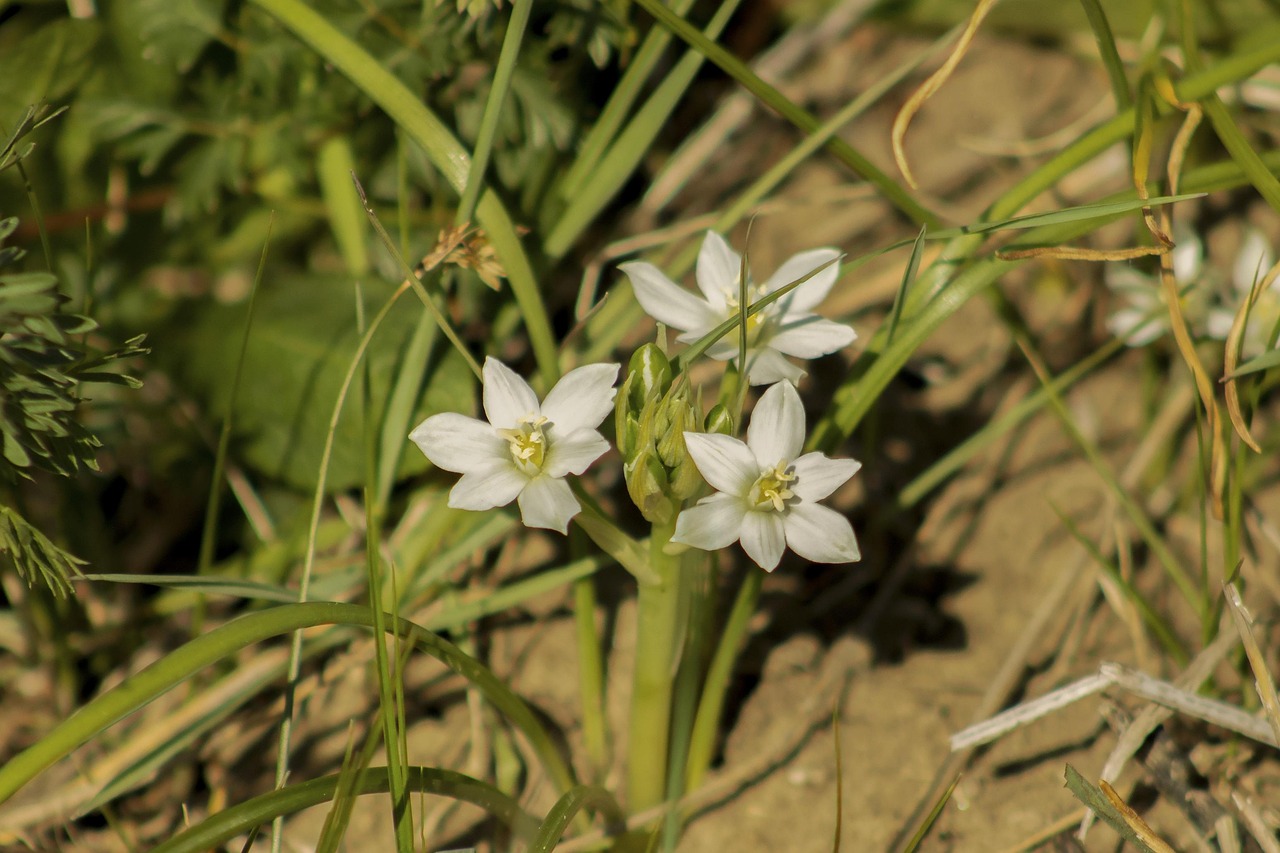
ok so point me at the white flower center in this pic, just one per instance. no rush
(528, 442)
(771, 490)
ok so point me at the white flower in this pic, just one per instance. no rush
(784, 326)
(767, 493)
(1143, 316)
(526, 448)
(1252, 261)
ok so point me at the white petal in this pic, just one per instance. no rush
(764, 538)
(1219, 324)
(817, 476)
(724, 462)
(718, 270)
(1188, 253)
(507, 397)
(808, 295)
(1139, 327)
(667, 302)
(722, 350)
(821, 535)
(548, 502)
(776, 432)
(714, 523)
(458, 443)
(1252, 261)
(496, 485)
(1137, 287)
(765, 366)
(573, 453)
(809, 336)
(582, 397)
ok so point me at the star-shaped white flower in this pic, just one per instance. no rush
(1253, 259)
(527, 448)
(785, 326)
(1142, 318)
(767, 493)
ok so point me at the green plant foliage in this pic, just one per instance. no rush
(305, 334)
(46, 360)
(34, 556)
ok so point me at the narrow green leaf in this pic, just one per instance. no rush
(217, 829)
(802, 119)
(446, 153)
(334, 165)
(567, 807)
(1108, 53)
(103, 711)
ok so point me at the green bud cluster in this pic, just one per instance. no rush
(651, 420)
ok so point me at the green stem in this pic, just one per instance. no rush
(659, 637)
(703, 739)
(590, 675)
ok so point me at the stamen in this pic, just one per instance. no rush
(771, 489)
(528, 442)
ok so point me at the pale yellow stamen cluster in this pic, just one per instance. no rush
(754, 294)
(771, 489)
(528, 441)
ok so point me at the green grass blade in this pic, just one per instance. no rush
(632, 144)
(624, 95)
(802, 119)
(247, 589)
(493, 108)
(908, 276)
(208, 533)
(1241, 151)
(1108, 53)
(514, 594)
(400, 407)
(445, 152)
(1157, 623)
(334, 165)
(99, 713)
(218, 829)
(959, 456)
(567, 807)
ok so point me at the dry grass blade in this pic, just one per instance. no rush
(1257, 661)
(1145, 833)
(1186, 347)
(1136, 733)
(1231, 360)
(1071, 253)
(1256, 824)
(935, 82)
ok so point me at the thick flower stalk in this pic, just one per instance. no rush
(526, 448)
(767, 492)
(784, 327)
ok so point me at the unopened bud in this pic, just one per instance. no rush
(647, 485)
(719, 420)
(652, 374)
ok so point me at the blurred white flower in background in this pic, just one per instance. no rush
(1251, 263)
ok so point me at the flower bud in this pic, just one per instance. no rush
(651, 421)
(719, 420)
(652, 372)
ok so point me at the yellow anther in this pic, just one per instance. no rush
(771, 488)
(528, 442)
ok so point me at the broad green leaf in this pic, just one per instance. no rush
(304, 338)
